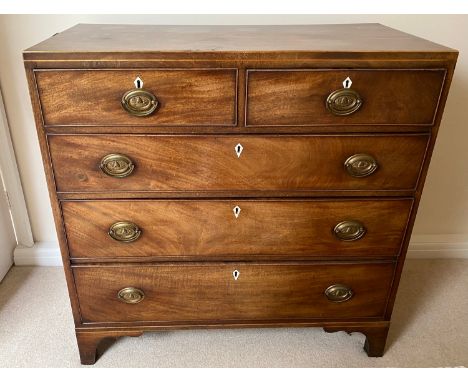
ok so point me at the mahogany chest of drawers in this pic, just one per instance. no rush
(208, 177)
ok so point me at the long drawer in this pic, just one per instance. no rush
(236, 291)
(319, 97)
(234, 229)
(167, 97)
(236, 163)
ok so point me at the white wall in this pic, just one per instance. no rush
(444, 206)
(7, 234)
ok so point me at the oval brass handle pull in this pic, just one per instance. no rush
(361, 165)
(338, 293)
(125, 232)
(349, 230)
(117, 165)
(139, 102)
(343, 102)
(131, 295)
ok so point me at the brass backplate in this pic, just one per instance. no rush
(131, 295)
(361, 165)
(117, 165)
(349, 230)
(139, 102)
(125, 232)
(343, 102)
(338, 293)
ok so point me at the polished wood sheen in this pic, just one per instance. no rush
(186, 97)
(298, 97)
(209, 230)
(210, 163)
(326, 192)
(209, 292)
(288, 42)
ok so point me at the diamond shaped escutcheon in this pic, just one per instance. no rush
(347, 83)
(239, 149)
(237, 211)
(138, 83)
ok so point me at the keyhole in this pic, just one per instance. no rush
(347, 83)
(138, 83)
(236, 274)
(238, 149)
(236, 211)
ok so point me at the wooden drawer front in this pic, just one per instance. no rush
(210, 230)
(93, 97)
(210, 163)
(298, 97)
(193, 292)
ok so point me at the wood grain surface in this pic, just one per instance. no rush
(298, 97)
(209, 230)
(209, 291)
(210, 163)
(241, 42)
(93, 97)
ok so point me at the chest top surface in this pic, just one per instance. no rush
(239, 41)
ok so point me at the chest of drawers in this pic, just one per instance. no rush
(209, 177)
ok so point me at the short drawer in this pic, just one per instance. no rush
(98, 97)
(318, 97)
(234, 229)
(236, 163)
(236, 291)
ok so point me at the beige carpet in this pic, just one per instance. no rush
(429, 329)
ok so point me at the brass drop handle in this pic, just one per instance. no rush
(131, 295)
(343, 102)
(349, 230)
(339, 293)
(124, 232)
(116, 165)
(139, 102)
(361, 165)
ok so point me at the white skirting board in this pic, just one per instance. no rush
(421, 247)
(438, 247)
(46, 254)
